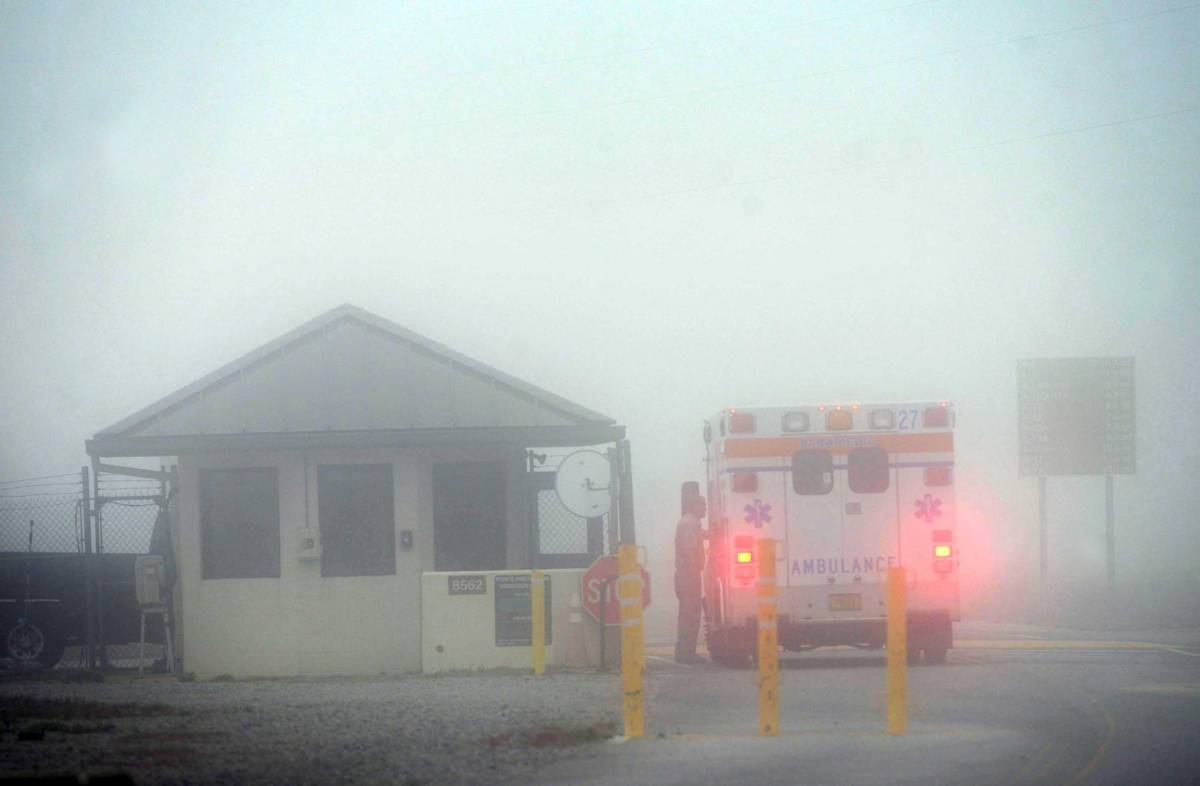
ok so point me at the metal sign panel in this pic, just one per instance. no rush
(514, 611)
(1075, 416)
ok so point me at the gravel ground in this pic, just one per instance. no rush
(458, 729)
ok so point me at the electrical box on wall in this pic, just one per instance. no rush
(308, 543)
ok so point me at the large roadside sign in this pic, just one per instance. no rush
(1075, 416)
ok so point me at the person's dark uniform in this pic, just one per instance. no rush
(689, 569)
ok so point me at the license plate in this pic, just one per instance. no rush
(848, 602)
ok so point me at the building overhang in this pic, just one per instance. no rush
(112, 446)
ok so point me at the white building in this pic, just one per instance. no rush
(320, 476)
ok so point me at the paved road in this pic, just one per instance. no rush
(1028, 708)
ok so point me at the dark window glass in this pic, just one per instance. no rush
(812, 472)
(868, 470)
(239, 523)
(358, 524)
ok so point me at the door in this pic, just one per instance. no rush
(469, 516)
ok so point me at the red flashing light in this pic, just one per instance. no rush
(744, 482)
(938, 476)
(741, 423)
(937, 417)
(838, 420)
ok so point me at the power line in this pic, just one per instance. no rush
(882, 63)
(881, 161)
(663, 98)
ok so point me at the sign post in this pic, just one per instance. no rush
(538, 622)
(1076, 416)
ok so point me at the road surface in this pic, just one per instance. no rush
(1008, 708)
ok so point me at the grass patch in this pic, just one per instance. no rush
(556, 736)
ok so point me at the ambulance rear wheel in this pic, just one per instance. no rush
(732, 648)
(935, 656)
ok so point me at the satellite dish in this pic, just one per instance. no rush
(581, 483)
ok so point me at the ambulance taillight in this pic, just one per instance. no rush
(743, 550)
(943, 551)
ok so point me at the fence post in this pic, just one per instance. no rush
(768, 642)
(897, 652)
(89, 601)
(98, 572)
(537, 590)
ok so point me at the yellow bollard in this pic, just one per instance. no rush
(897, 652)
(633, 654)
(768, 642)
(537, 588)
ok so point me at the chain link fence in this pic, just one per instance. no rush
(67, 556)
(561, 538)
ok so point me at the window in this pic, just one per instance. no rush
(239, 523)
(868, 470)
(358, 523)
(812, 472)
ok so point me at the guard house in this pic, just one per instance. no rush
(318, 478)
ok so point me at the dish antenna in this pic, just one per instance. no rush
(582, 483)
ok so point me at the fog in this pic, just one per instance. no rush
(654, 211)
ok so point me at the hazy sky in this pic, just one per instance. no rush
(655, 210)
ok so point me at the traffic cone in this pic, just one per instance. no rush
(576, 655)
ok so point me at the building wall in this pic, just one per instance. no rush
(302, 623)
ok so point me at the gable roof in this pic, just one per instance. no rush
(351, 372)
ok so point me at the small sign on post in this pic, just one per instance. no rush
(1076, 416)
(514, 610)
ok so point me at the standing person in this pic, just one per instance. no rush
(689, 568)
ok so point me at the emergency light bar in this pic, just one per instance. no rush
(838, 420)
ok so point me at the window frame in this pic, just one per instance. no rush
(214, 561)
(851, 463)
(828, 468)
(376, 554)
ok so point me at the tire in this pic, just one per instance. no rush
(935, 656)
(731, 650)
(29, 642)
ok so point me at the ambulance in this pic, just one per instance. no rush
(847, 491)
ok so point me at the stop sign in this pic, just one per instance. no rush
(607, 610)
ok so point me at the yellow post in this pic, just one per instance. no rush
(768, 642)
(633, 653)
(538, 601)
(897, 652)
